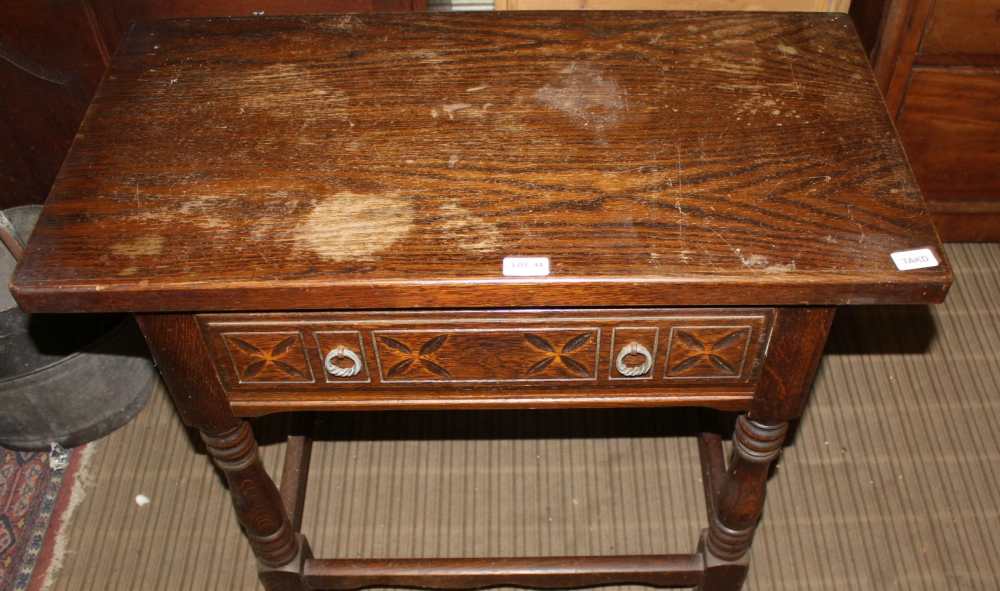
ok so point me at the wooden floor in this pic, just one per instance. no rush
(868, 497)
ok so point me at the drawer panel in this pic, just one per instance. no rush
(462, 350)
(487, 354)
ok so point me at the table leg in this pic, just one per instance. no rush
(741, 499)
(786, 379)
(740, 502)
(182, 358)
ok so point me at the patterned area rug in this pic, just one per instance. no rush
(33, 504)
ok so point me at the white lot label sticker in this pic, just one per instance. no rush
(525, 266)
(921, 258)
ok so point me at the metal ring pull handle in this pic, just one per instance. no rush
(342, 353)
(633, 371)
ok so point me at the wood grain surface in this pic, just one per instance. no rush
(393, 161)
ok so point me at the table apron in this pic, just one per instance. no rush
(271, 362)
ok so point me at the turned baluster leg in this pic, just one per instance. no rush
(255, 498)
(184, 362)
(741, 499)
(793, 356)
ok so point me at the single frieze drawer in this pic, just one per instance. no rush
(461, 349)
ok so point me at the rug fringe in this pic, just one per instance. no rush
(56, 538)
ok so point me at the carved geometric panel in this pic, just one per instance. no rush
(268, 357)
(707, 351)
(487, 355)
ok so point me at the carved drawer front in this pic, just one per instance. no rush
(487, 355)
(390, 351)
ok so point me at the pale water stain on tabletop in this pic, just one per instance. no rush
(584, 94)
(469, 231)
(351, 226)
(142, 246)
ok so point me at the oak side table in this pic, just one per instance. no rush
(486, 211)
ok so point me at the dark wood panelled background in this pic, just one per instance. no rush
(938, 63)
(54, 52)
(50, 63)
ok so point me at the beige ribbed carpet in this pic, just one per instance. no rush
(893, 480)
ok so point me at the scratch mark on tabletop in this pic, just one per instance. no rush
(738, 252)
(347, 22)
(452, 108)
(680, 170)
(795, 79)
(861, 229)
(756, 261)
(428, 57)
(789, 52)
(682, 222)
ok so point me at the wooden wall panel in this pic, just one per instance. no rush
(963, 27)
(50, 64)
(937, 64)
(950, 125)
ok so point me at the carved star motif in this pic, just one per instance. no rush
(421, 357)
(272, 357)
(707, 352)
(562, 356)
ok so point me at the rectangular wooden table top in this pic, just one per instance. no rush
(377, 161)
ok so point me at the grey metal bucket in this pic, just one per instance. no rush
(65, 378)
